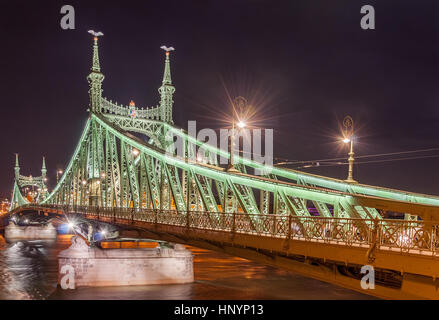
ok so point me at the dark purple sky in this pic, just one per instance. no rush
(305, 64)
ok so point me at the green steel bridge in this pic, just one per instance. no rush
(143, 186)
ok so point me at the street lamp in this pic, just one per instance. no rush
(241, 124)
(239, 102)
(348, 123)
(58, 172)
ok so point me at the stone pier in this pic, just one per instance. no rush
(15, 232)
(81, 265)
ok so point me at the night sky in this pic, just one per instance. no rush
(303, 64)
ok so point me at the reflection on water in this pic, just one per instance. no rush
(29, 270)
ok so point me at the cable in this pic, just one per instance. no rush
(366, 162)
(409, 158)
(358, 157)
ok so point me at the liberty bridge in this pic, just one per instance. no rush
(137, 184)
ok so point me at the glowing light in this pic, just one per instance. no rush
(199, 158)
(60, 172)
(103, 232)
(84, 182)
(404, 240)
(136, 152)
(103, 175)
(71, 225)
(241, 124)
(346, 140)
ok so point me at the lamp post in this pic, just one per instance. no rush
(58, 172)
(348, 123)
(231, 167)
(239, 102)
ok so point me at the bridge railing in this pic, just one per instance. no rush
(418, 237)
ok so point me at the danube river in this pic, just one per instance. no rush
(29, 270)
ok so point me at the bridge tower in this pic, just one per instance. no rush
(95, 79)
(166, 93)
(17, 168)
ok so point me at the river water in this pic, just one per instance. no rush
(29, 270)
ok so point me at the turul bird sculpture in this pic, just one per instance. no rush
(167, 49)
(96, 34)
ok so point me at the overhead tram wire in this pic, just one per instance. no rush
(329, 163)
(290, 162)
(399, 159)
(366, 162)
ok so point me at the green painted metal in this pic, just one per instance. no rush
(17, 198)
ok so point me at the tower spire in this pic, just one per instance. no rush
(43, 168)
(167, 73)
(95, 78)
(17, 167)
(96, 65)
(167, 89)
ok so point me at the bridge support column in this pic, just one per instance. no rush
(95, 197)
(94, 267)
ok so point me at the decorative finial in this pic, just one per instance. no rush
(17, 164)
(167, 49)
(96, 34)
(132, 104)
(348, 123)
